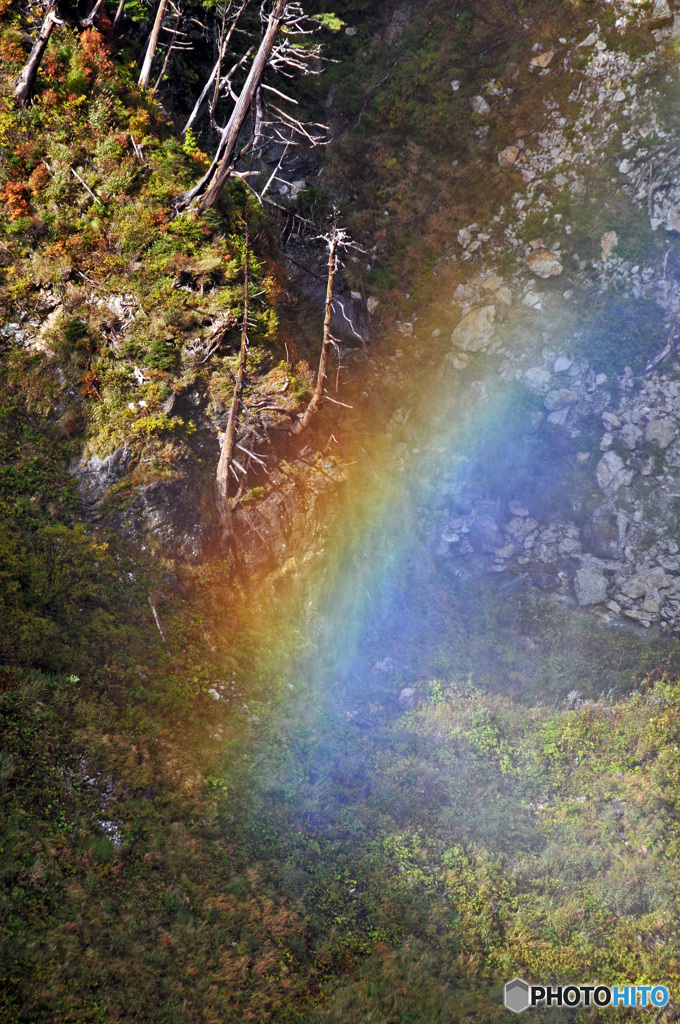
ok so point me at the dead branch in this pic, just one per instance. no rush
(224, 465)
(24, 83)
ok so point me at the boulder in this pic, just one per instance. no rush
(559, 399)
(646, 583)
(562, 364)
(630, 436)
(544, 263)
(590, 586)
(484, 533)
(661, 431)
(480, 106)
(542, 59)
(611, 421)
(409, 698)
(538, 378)
(673, 219)
(475, 330)
(609, 241)
(601, 537)
(508, 156)
(611, 473)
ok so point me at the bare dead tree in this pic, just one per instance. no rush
(23, 85)
(337, 238)
(145, 74)
(285, 58)
(215, 75)
(226, 461)
(232, 131)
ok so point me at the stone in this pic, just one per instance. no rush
(608, 242)
(508, 156)
(533, 300)
(569, 546)
(673, 219)
(619, 96)
(372, 304)
(475, 330)
(492, 283)
(516, 508)
(538, 378)
(464, 238)
(611, 421)
(450, 536)
(630, 436)
(409, 698)
(504, 296)
(560, 180)
(542, 59)
(480, 106)
(644, 583)
(601, 537)
(559, 417)
(544, 263)
(625, 167)
(590, 586)
(455, 84)
(507, 551)
(590, 40)
(562, 364)
(484, 533)
(660, 431)
(559, 399)
(611, 474)
(614, 607)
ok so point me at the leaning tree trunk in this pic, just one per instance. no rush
(315, 401)
(145, 75)
(89, 21)
(239, 114)
(116, 20)
(24, 83)
(229, 440)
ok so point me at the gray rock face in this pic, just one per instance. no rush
(171, 513)
(660, 431)
(96, 475)
(611, 473)
(475, 330)
(590, 586)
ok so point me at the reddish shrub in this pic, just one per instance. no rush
(14, 196)
(38, 179)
